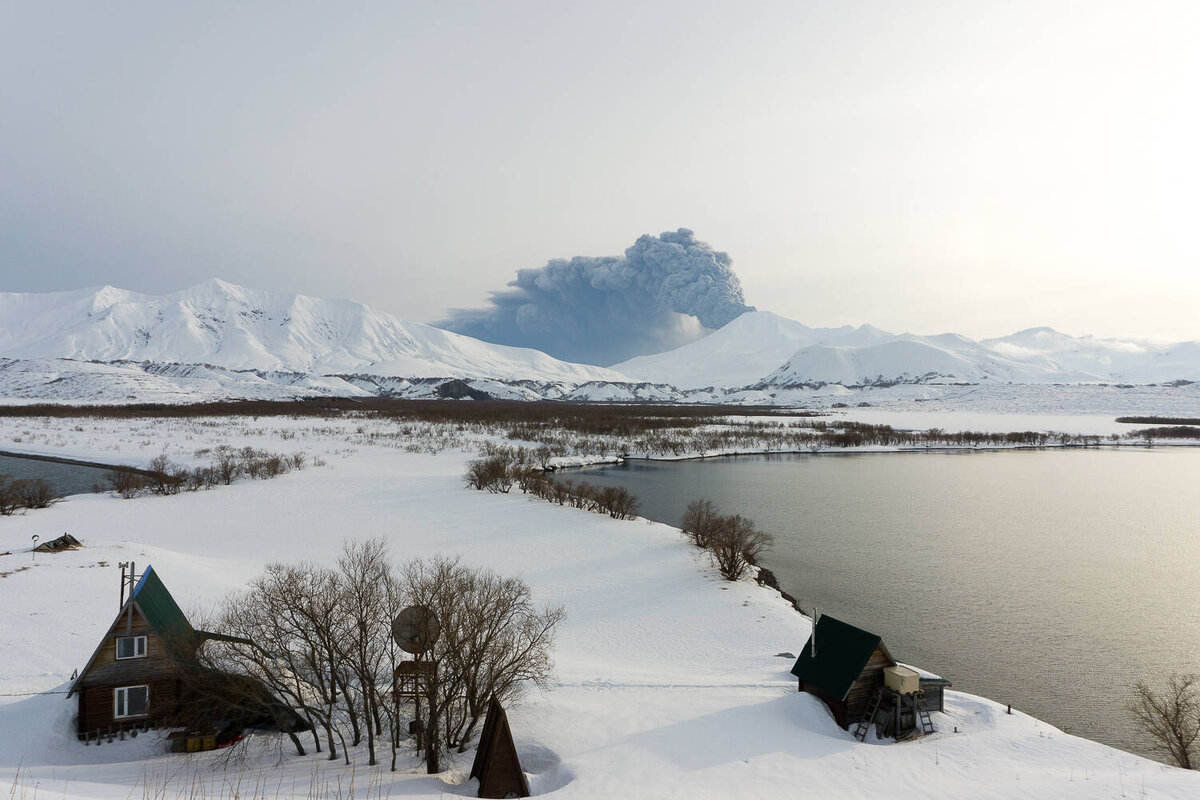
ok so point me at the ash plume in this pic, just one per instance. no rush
(605, 310)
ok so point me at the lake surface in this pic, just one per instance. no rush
(66, 478)
(1051, 579)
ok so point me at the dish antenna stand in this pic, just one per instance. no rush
(415, 630)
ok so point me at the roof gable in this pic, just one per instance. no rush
(155, 604)
(842, 652)
(160, 608)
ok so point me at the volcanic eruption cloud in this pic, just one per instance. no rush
(605, 310)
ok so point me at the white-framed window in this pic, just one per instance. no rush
(131, 647)
(131, 701)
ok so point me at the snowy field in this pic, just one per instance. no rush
(668, 681)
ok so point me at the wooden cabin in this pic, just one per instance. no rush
(145, 672)
(845, 670)
(134, 678)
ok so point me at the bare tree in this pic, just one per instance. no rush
(282, 631)
(1170, 718)
(618, 502)
(35, 493)
(698, 520)
(10, 501)
(320, 640)
(735, 544)
(364, 577)
(227, 464)
(165, 477)
(493, 642)
(494, 473)
(127, 483)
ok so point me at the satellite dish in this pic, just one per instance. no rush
(415, 629)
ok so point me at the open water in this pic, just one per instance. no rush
(66, 478)
(1049, 579)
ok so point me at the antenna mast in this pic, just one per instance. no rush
(128, 579)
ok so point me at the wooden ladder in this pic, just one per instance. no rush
(923, 715)
(868, 716)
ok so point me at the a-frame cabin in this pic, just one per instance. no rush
(844, 667)
(145, 674)
(134, 678)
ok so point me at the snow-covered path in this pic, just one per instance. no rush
(668, 680)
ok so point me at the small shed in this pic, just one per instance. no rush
(843, 666)
(496, 763)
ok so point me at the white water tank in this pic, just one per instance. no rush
(902, 680)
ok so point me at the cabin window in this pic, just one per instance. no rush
(131, 701)
(131, 647)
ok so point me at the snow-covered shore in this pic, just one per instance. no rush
(668, 682)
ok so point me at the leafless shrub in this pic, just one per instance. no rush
(35, 493)
(126, 483)
(492, 474)
(617, 501)
(1170, 718)
(227, 464)
(735, 544)
(164, 476)
(10, 501)
(698, 520)
(199, 478)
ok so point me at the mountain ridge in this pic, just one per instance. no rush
(865, 355)
(220, 323)
(218, 339)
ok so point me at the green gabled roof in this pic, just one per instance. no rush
(160, 608)
(151, 597)
(842, 652)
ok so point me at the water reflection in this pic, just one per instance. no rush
(1051, 579)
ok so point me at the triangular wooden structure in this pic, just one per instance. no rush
(144, 672)
(496, 763)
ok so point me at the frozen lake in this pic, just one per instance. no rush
(1051, 579)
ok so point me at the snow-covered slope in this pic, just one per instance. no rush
(1117, 359)
(763, 349)
(229, 326)
(740, 353)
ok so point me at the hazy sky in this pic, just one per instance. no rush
(928, 166)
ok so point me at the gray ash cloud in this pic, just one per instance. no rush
(604, 310)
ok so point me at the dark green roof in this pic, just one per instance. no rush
(160, 608)
(163, 614)
(842, 652)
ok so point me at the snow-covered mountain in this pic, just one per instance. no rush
(220, 324)
(217, 340)
(742, 352)
(763, 350)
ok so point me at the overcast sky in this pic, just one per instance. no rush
(928, 167)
